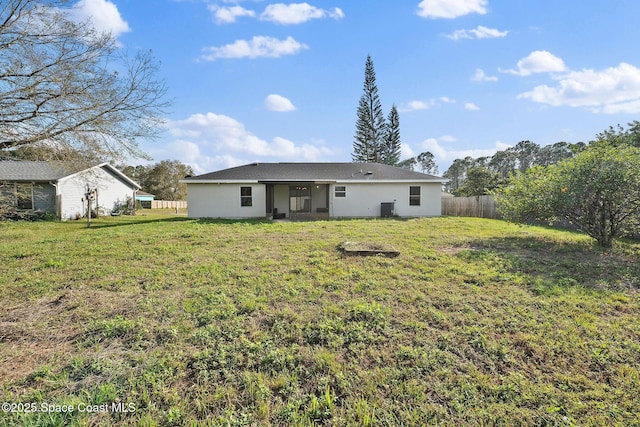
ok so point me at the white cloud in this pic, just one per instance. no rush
(470, 106)
(297, 13)
(451, 8)
(103, 14)
(478, 33)
(278, 103)
(480, 76)
(447, 138)
(228, 15)
(621, 108)
(415, 105)
(198, 140)
(539, 61)
(257, 47)
(610, 91)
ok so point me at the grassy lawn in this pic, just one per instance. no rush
(476, 322)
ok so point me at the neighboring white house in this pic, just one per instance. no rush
(52, 187)
(319, 190)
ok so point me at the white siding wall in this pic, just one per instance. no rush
(112, 191)
(363, 200)
(223, 201)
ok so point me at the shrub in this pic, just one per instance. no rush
(598, 191)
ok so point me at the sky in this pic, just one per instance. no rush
(263, 81)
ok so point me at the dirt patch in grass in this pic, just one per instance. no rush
(35, 333)
(368, 249)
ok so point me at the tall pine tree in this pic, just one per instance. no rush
(370, 125)
(390, 149)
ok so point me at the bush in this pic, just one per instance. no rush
(598, 191)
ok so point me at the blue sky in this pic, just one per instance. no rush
(259, 80)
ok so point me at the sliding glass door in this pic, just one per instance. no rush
(299, 198)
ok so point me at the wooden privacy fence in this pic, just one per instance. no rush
(476, 206)
(169, 204)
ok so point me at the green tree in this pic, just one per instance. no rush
(64, 84)
(409, 163)
(427, 163)
(162, 179)
(503, 162)
(370, 124)
(391, 147)
(457, 173)
(553, 153)
(598, 191)
(634, 133)
(137, 173)
(479, 182)
(618, 136)
(525, 153)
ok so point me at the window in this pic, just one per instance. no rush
(341, 191)
(245, 196)
(24, 196)
(414, 196)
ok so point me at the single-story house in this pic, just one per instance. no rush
(313, 190)
(145, 199)
(61, 189)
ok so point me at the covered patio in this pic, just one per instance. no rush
(297, 200)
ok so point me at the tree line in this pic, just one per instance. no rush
(595, 188)
(479, 176)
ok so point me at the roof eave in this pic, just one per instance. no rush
(315, 181)
(113, 170)
(218, 181)
(390, 181)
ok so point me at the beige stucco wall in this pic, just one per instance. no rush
(364, 199)
(223, 201)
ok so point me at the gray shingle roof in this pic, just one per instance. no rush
(314, 172)
(16, 170)
(27, 171)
